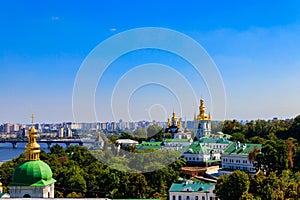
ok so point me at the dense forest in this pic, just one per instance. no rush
(80, 174)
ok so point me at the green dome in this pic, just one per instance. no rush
(32, 173)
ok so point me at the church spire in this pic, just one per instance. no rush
(202, 115)
(174, 119)
(202, 109)
(169, 123)
(185, 123)
(32, 148)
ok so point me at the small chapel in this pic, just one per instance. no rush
(33, 177)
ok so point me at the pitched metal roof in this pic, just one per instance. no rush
(193, 187)
(214, 140)
(197, 148)
(242, 149)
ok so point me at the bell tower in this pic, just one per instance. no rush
(32, 148)
(202, 122)
(33, 177)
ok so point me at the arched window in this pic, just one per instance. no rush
(26, 196)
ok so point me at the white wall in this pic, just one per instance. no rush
(34, 192)
(192, 195)
(237, 162)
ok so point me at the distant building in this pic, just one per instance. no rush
(103, 126)
(215, 143)
(235, 157)
(202, 122)
(199, 154)
(14, 127)
(127, 142)
(113, 126)
(192, 191)
(149, 145)
(6, 128)
(206, 150)
(60, 133)
(64, 132)
(99, 142)
(74, 126)
(174, 127)
(177, 144)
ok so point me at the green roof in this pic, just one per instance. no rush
(149, 145)
(197, 148)
(195, 187)
(32, 173)
(243, 150)
(211, 161)
(219, 134)
(214, 140)
(1, 194)
(176, 140)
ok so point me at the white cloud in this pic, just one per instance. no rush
(54, 18)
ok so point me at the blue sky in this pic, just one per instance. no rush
(255, 45)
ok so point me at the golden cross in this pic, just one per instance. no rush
(32, 117)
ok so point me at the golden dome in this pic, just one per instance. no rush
(32, 130)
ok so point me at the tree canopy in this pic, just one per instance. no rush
(80, 174)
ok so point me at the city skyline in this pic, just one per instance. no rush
(254, 46)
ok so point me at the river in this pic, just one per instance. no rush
(8, 153)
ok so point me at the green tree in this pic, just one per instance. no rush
(79, 174)
(140, 133)
(58, 150)
(216, 127)
(274, 156)
(124, 135)
(74, 195)
(249, 129)
(137, 186)
(271, 188)
(296, 159)
(232, 126)
(294, 130)
(238, 137)
(257, 140)
(257, 183)
(247, 196)
(262, 128)
(232, 186)
(156, 132)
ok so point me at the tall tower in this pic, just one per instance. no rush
(174, 119)
(32, 148)
(203, 122)
(33, 177)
